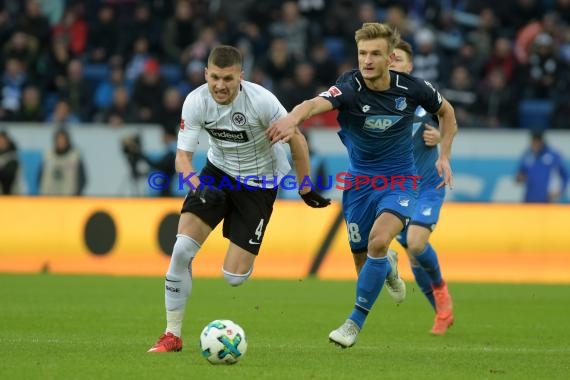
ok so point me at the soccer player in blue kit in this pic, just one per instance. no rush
(415, 237)
(376, 111)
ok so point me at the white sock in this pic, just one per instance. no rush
(178, 282)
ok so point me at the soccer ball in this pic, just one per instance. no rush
(223, 342)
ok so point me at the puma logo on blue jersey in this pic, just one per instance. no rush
(381, 122)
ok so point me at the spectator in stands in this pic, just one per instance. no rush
(62, 114)
(324, 66)
(72, 30)
(543, 67)
(136, 62)
(35, 24)
(562, 7)
(193, 77)
(503, 58)
(143, 25)
(6, 24)
(292, 27)
(23, 48)
(278, 62)
(54, 66)
(31, 109)
(495, 102)
(148, 91)
(77, 91)
(427, 60)
(62, 171)
(9, 164)
(468, 57)
(179, 32)
(395, 16)
(483, 35)
(536, 169)
(258, 76)
(456, 33)
(253, 33)
(169, 114)
(461, 93)
(104, 91)
(12, 84)
(302, 87)
(121, 111)
(199, 49)
(103, 37)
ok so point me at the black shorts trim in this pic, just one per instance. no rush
(405, 221)
(430, 227)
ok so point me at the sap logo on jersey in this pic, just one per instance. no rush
(381, 122)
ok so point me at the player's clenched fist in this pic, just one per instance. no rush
(315, 200)
(209, 195)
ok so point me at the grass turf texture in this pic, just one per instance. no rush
(89, 327)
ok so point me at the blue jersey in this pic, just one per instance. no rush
(538, 169)
(425, 156)
(376, 126)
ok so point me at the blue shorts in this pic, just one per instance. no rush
(362, 206)
(428, 206)
(426, 214)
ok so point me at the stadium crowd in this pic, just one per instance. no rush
(125, 61)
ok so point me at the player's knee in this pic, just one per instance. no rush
(416, 246)
(377, 246)
(236, 279)
(185, 248)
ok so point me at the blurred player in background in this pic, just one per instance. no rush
(538, 166)
(236, 114)
(415, 237)
(376, 111)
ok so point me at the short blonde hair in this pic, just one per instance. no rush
(374, 30)
(406, 48)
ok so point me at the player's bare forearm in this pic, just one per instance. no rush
(301, 161)
(284, 128)
(183, 165)
(448, 128)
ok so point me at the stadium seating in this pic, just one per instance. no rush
(535, 113)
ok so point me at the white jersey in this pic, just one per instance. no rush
(238, 143)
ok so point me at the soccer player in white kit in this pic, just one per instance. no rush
(238, 184)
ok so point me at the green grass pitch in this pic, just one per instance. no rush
(97, 327)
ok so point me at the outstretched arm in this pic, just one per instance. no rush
(284, 128)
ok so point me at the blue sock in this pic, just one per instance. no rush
(428, 261)
(368, 287)
(424, 282)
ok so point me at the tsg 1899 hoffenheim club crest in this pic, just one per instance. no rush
(401, 103)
